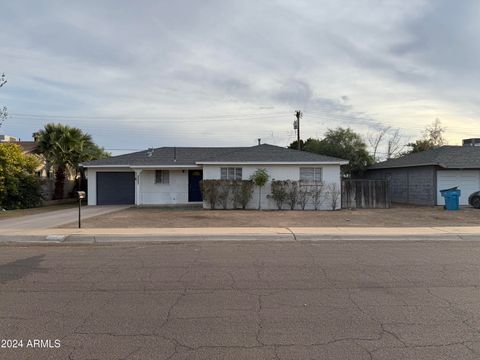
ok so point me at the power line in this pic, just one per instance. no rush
(165, 117)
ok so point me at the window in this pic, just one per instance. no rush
(231, 173)
(162, 176)
(310, 174)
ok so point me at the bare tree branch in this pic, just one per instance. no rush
(376, 139)
(394, 147)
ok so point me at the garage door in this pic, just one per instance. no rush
(468, 181)
(115, 188)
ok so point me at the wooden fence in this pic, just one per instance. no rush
(365, 194)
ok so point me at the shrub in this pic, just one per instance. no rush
(291, 188)
(210, 192)
(316, 193)
(278, 193)
(246, 191)
(236, 189)
(224, 193)
(303, 195)
(334, 192)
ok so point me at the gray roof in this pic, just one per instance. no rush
(449, 157)
(188, 156)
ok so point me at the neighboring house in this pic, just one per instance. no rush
(170, 175)
(46, 175)
(418, 178)
(28, 147)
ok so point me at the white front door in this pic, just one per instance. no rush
(468, 181)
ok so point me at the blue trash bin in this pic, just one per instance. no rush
(452, 198)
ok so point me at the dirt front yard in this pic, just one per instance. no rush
(188, 217)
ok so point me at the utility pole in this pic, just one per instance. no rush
(296, 126)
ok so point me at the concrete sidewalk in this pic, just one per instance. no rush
(153, 235)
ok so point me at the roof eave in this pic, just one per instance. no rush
(402, 166)
(342, 162)
(185, 166)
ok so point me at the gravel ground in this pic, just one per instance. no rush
(188, 217)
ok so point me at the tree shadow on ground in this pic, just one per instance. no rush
(18, 269)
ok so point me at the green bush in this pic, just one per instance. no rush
(260, 178)
(19, 187)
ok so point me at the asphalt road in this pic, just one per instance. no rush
(264, 300)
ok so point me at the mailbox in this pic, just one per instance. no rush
(80, 195)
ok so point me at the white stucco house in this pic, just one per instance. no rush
(172, 175)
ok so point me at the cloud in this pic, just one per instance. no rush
(228, 72)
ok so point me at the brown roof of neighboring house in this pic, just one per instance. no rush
(27, 146)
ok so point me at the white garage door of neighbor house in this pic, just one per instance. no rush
(468, 181)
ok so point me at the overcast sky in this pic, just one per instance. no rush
(137, 74)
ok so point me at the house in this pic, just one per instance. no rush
(28, 147)
(172, 175)
(418, 178)
(46, 174)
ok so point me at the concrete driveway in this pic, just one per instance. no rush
(56, 218)
(256, 301)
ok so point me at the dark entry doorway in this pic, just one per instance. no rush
(194, 191)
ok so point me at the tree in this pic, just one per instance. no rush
(435, 133)
(3, 110)
(394, 147)
(64, 148)
(376, 139)
(344, 144)
(260, 178)
(433, 137)
(391, 138)
(19, 187)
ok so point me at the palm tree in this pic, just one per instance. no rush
(64, 148)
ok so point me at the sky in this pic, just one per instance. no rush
(139, 74)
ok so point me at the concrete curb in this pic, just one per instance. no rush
(111, 239)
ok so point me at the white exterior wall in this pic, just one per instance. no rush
(92, 181)
(175, 192)
(330, 175)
